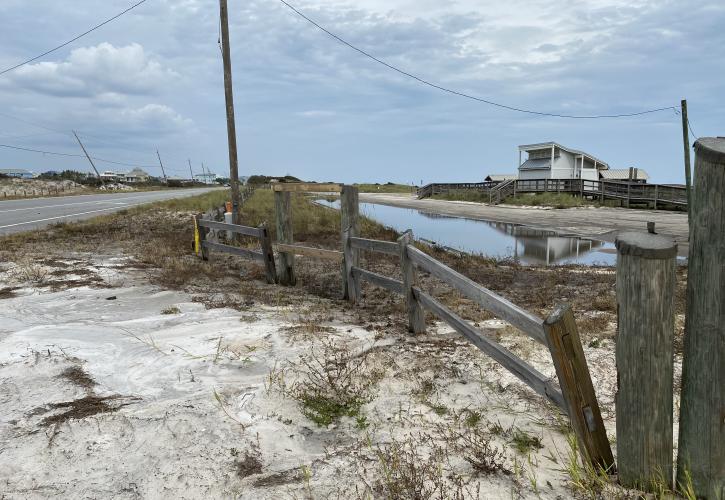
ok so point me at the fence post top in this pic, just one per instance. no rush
(710, 148)
(646, 245)
(560, 309)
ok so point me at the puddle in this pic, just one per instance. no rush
(526, 245)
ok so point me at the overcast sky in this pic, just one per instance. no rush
(309, 106)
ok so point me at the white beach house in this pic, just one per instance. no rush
(549, 160)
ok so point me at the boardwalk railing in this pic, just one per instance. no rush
(628, 192)
(575, 393)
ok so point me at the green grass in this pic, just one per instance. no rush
(324, 410)
(463, 195)
(556, 200)
(388, 187)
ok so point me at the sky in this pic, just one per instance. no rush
(309, 106)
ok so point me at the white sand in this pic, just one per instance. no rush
(178, 441)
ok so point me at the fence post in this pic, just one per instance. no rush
(576, 385)
(283, 209)
(265, 241)
(702, 405)
(350, 227)
(204, 252)
(644, 355)
(656, 193)
(416, 315)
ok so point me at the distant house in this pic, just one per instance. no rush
(17, 172)
(206, 178)
(111, 176)
(638, 175)
(549, 160)
(501, 177)
(137, 175)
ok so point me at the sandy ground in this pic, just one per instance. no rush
(178, 399)
(591, 222)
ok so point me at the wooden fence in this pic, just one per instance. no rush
(203, 244)
(627, 192)
(574, 393)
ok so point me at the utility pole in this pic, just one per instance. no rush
(190, 172)
(686, 145)
(89, 158)
(162, 167)
(229, 97)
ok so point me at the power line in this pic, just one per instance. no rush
(7, 70)
(72, 155)
(691, 131)
(463, 94)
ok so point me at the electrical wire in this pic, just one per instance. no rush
(7, 70)
(463, 94)
(690, 127)
(104, 160)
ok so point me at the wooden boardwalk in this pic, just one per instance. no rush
(655, 195)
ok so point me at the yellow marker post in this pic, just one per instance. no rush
(197, 238)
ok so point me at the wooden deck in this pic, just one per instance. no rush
(658, 195)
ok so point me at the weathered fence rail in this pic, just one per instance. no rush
(627, 192)
(202, 244)
(574, 394)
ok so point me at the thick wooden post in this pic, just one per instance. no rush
(416, 315)
(283, 210)
(265, 241)
(350, 227)
(644, 353)
(702, 405)
(576, 385)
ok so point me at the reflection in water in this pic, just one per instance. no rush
(496, 239)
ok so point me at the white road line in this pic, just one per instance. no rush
(97, 202)
(59, 217)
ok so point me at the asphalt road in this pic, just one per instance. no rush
(35, 213)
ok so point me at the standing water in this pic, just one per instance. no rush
(494, 239)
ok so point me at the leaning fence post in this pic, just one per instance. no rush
(644, 355)
(283, 208)
(576, 385)
(265, 241)
(350, 227)
(702, 405)
(416, 315)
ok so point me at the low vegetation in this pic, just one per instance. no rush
(388, 187)
(330, 382)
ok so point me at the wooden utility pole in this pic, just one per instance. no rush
(701, 453)
(229, 97)
(191, 173)
(686, 145)
(162, 166)
(89, 158)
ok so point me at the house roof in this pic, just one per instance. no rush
(501, 177)
(623, 174)
(537, 164)
(544, 145)
(137, 172)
